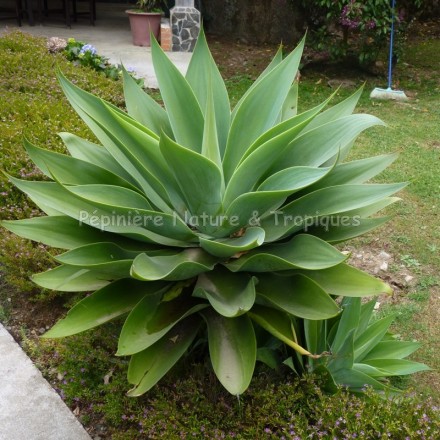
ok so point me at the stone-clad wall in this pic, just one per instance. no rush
(185, 25)
(255, 21)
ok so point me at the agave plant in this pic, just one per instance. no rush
(363, 350)
(192, 217)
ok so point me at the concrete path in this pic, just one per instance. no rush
(111, 36)
(29, 407)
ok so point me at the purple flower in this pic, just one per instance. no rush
(88, 48)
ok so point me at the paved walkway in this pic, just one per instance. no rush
(111, 36)
(29, 407)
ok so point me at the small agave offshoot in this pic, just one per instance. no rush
(194, 218)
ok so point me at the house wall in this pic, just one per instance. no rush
(254, 21)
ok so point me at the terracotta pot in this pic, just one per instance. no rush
(141, 24)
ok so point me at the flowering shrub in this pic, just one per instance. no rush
(343, 28)
(87, 55)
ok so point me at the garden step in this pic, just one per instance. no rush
(30, 409)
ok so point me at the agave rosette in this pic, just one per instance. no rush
(192, 216)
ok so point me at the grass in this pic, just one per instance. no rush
(84, 369)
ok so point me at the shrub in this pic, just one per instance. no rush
(346, 28)
(195, 217)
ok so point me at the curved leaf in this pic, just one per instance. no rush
(324, 202)
(102, 257)
(72, 171)
(151, 319)
(72, 279)
(233, 350)
(105, 304)
(199, 179)
(142, 107)
(374, 333)
(75, 202)
(392, 350)
(148, 367)
(340, 110)
(356, 283)
(290, 106)
(209, 78)
(260, 109)
(181, 266)
(229, 294)
(313, 148)
(303, 251)
(397, 367)
(298, 296)
(65, 233)
(183, 109)
(264, 152)
(95, 154)
(227, 247)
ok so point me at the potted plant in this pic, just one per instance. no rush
(145, 19)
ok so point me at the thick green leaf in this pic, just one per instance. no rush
(72, 171)
(313, 148)
(297, 295)
(286, 127)
(183, 109)
(105, 304)
(209, 79)
(275, 62)
(397, 367)
(344, 108)
(290, 106)
(358, 171)
(303, 251)
(181, 266)
(339, 233)
(270, 195)
(293, 179)
(392, 350)
(343, 357)
(366, 315)
(349, 321)
(356, 381)
(64, 232)
(96, 253)
(148, 367)
(344, 280)
(151, 319)
(260, 156)
(229, 294)
(72, 279)
(101, 257)
(278, 324)
(227, 247)
(268, 357)
(142, 107)
(233, 350)
(374, 333)
(130, 143)
(95, 154)
(324, 202)
(260, 109)
(199, 179)
(90, 205)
